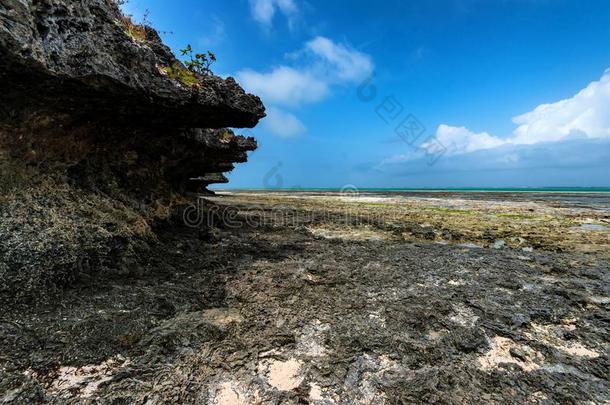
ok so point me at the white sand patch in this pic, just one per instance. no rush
(538, 397)
(222, 316)
(577, 349)
(317, 394)
(229, 393)
(436, 334)
(363, 199)
(349, 234)
(87, 379)
(500, 352)
(283, 375)
(551, 336)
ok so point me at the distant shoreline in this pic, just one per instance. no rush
(575, 190)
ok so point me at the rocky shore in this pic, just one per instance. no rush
(289, 302)
(118, 285)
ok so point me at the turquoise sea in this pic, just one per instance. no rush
(446, 190)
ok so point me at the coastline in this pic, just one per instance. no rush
(566, 190)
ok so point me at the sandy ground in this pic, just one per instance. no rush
(290, 300)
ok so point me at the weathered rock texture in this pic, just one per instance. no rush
(79, 57)
(100, 138)
(274, 312)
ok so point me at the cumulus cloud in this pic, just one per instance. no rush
(462, 140)
(313, 72)
(344, 62)
(283, 123)
(263, 11)
(585, 115)
(323, 63)
(284, 85)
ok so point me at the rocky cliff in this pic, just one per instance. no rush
(102, 134)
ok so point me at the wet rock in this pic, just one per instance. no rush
(499, 244)
(593, 227)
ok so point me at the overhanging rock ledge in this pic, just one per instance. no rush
(103, 136)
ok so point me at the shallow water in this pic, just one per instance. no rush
(593, 227)
(599, 200)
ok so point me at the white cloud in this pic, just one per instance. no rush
(399, 158)
(284, 85)
(263, 11)
(315, 69)
(346, 63)
(461, 140)
(585, 115)
(324, 63)
(283, 123)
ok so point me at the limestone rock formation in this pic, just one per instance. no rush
(101, 137)
(86, 59)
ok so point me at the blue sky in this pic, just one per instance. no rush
(398, 93)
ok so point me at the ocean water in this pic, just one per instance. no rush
(465, 189)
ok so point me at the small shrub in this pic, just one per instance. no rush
(196, 66)
(199, 63)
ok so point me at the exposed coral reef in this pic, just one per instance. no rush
(274, 312)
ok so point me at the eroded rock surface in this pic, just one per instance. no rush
(102, 134)
(274, 313)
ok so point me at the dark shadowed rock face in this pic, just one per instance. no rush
(100, 141)
(82, 58)
(79, 72)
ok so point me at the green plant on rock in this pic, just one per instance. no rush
(196, 66)
(198, 63)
